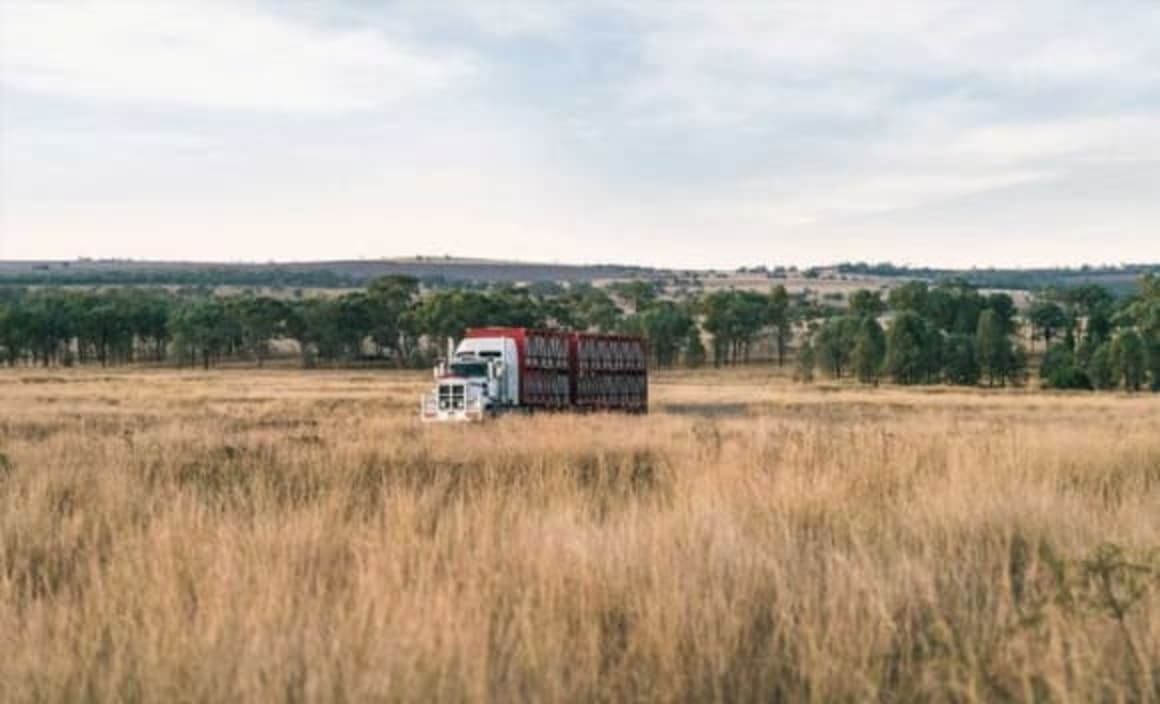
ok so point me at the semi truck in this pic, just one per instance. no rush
(497, 370)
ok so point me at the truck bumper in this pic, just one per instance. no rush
(429, 412)
(453, 417)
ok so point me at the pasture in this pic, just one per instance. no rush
(280, 535)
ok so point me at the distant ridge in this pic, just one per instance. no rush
(353, 272)
(437, 271)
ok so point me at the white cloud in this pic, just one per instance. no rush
(900, 190)
(684, 133)
(909, 104)
(1117, 138)
(212, 53)
(743, 63)
(932, 168)
(500, 18)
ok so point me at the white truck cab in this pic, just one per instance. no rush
(479, 379)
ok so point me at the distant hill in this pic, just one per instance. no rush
(437, 272)
(1118, 279)
(327, 274)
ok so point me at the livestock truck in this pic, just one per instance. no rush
(502, 370)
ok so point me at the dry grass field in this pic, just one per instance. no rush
(297, 536)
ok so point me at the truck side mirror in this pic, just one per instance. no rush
(499, 368)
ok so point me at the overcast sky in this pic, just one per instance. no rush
(668, 133)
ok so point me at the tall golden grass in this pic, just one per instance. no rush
(284, 536)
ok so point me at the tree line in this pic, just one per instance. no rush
(1117, 279)
(953, 333)
(393, 321)
(1096, 341)
(950, 332)
(268, 276)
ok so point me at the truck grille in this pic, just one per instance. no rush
(452, 397)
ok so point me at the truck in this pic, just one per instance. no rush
(498, 370)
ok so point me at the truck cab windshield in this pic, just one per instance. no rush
(468, 369)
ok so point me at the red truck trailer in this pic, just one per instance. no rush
(500, 369)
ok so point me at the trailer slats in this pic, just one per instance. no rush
(586, 371)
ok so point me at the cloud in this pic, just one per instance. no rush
(670, 132)
(875, 108)
(1117, 138)
(505, 19)
(890, 192)
(732, 53)
(215, 54)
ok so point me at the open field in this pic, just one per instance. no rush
(295, 536)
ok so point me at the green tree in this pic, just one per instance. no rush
(322, 335)
(959, 365)
(834, 344)
(954, 306)
(911, 354)
(331, 329)
(638, 293)
(994, 351)
(202, 331)
(14, 325)
(1144, 313)
(447, 314)
(1098, 328)
(1060, 370)
(869, 351)
(733, 319)
(594, 310)
(866, 304)
(1088, 297)
(50, 326)
(512, 306)
(718, 323)
(750, 315)
(666, 325)
(806, 361)
(1090, 304)
(911, 297)
(1101, 367)
(151, 321)
(1047, 319)
(1018, 372)
(1131, 359)
(261, 320)
(1003, 308)
(353, 322)
(102, 328)
(780, 317)
(694, 348)
(392, 301)
(297, 328)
